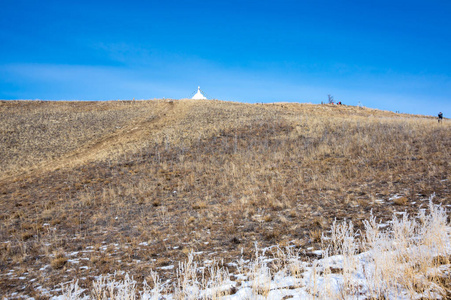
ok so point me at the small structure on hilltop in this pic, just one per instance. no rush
(199, 95)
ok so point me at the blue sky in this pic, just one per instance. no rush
(392, 55)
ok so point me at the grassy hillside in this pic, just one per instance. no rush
(137, 185)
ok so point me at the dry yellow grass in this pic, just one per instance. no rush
(155, 177)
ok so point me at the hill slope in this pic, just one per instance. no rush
(149, 181)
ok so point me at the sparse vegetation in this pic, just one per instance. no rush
(137, 185)
(407, 260)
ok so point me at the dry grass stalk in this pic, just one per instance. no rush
(399, 262)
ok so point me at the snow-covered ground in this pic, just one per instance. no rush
(407, 258)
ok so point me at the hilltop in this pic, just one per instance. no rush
(88, 188)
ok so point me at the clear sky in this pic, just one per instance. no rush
(393, 55)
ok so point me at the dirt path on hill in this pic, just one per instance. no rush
(133, 135)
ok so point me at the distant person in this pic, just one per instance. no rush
(440, 117)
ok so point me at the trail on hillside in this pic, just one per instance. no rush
(144, 127)
(136, 132)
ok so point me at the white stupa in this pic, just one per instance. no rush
(199, 95)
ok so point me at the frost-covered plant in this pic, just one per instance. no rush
(294, 264)
(218, 284)
(72, 291)
(188, 286)
(436, 230)
(110, 289)
(409, 259)
(260, 274)
(372, 234)
(155, 293)
(401, 256)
